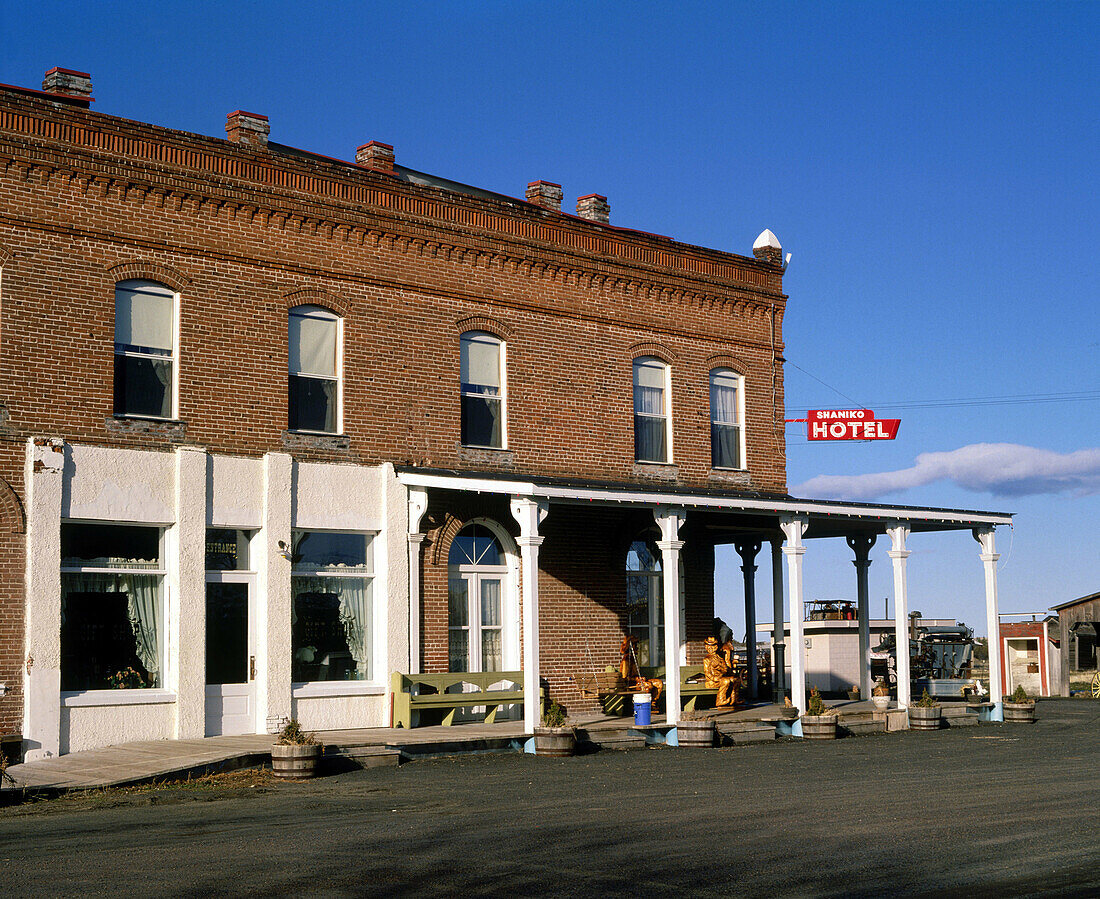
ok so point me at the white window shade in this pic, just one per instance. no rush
(723, 397)
(143, 317)
(649, 374)
(312, 343)
(481, 361)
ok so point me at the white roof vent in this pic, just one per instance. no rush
(767, 239)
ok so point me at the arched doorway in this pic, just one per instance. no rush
(482, 603)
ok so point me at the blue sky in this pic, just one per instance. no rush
(932, 168)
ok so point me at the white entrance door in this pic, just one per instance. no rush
(477, 627)
(230, 655)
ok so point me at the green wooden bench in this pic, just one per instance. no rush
(612, 691)
(414, 693)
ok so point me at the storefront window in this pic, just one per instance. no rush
(332, 622)
(112, 616)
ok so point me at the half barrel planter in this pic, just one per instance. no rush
(819, 727)
(295, 761)
(695, 734)
(1019, 712)
(557, 742)
(921, 718)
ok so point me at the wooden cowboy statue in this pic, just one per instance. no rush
(720, 675)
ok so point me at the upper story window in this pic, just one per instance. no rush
(727, 436)
(482, 378)
(145, 340)
(652, 437)
(314, 370)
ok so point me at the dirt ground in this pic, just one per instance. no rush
(1002, 810)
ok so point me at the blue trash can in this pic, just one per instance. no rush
(642, 706)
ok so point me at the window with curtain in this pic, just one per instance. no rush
(314, 370)
(651, 441)
(644, 606)
(331, 617)
(725, 419)
(145, 329)
(482, 390)
(112, 615)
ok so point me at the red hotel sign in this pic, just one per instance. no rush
(849, 424)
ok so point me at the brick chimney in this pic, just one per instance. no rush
(546, 194)
(376, 156)
(66, 81)
(595, 208)
(767, 248)
(248, 128)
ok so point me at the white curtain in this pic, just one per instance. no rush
(355, 615)
(143, 600)
(491, 648)
(723, 398)
(143, 317)
(312, 344)
(649, 388)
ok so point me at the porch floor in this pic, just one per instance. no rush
(143, 762)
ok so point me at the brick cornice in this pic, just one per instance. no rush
(315, 296)
(483, 323)
(652, 348)
(149, 271)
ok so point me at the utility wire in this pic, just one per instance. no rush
(1021, 399)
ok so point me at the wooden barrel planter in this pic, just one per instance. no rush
(295, 761)
(695, 734)
(819, 727)
(1019, 712)
(555, 741)
(924, 719)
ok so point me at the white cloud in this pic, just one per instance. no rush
(1003, 469)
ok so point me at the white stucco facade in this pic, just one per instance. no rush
(183, 493)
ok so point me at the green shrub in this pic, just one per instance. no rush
(1020, 695)
(293, 735)
(816, 705)
(926, 701)
(554, 716)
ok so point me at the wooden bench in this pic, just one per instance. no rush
(610, 689)
(414, 693)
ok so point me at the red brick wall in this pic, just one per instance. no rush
(582, 586)
(12, 565)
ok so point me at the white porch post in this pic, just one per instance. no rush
(861, 544)
(669, 521)
(530, 513)
(989, 558)
(793, 529)
(418, 505)
(778, 663)
(747, 550)
(899, 533)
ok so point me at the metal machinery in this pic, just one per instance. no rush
(939, 659)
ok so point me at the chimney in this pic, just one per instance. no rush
(376, 156)
(767, 248)
(66, 81)
(248, 128)
(546, 194)
(595, 208)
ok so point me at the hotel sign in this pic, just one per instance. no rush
(849, 424)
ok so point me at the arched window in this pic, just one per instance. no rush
(476, 608)
(645, 608)
(727, 436)
(482, 389)
(145, 349)
(652, 437)
(314, 362)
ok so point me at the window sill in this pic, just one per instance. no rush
(733, 476)
(322, 440)
(143, 424)
(90, 698)
(488, 454)
(318, 689)
(664, 471)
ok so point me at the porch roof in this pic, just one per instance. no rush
(753, 511)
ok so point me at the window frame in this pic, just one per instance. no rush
(742, 443)
(465, 338)
(173, 356)
(655, 618)
(316, 311)
(372, 641)
(653, 362)
(129, 695)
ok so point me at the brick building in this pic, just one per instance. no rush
(276, 425)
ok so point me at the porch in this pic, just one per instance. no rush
(570, 535)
